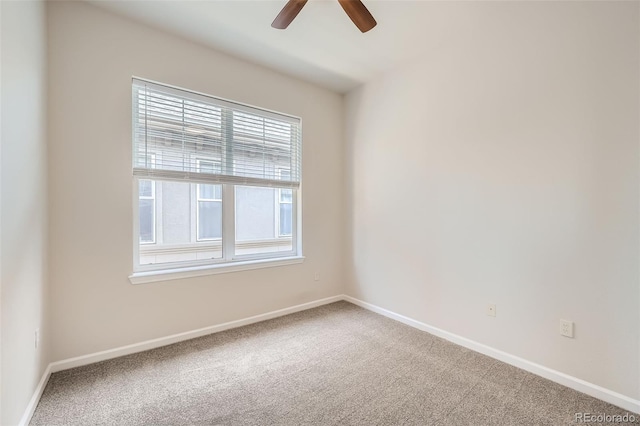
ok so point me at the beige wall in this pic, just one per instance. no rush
(23, 212)
(93, 55)
(504, 169)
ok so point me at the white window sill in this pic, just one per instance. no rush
(198, 271)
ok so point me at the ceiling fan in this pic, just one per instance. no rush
(354, 8)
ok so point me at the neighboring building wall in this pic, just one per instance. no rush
(95, 307)
(23, 212)
(175, 204)
(256, 213)
(504, 169)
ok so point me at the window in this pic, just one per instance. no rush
(285, 199)
(217, 182)
(147, 204)
(209, 208)
(147, 211)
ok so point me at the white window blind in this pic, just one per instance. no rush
(250, 144)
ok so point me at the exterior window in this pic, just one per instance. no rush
(217, 182)
(256, 220)
(147, 202)
(147, 211)
(285, 211)
(209, 213)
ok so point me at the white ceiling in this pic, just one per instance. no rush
(321, 45)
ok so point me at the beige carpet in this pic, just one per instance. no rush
(334, 365)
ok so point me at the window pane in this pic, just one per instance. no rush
(174, 212)
(179, 222)
(146, 188)
(286, 195)
(210, 192)
(209, 220)
(256, 221)
(146, 209)
(285, 220)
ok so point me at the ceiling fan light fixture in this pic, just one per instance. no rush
(288, 14)
(355, 9)
(358, 14)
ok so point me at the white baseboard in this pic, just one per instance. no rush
(580, 385)
(33, 403)
(156, 343)
(175, 338)
(564, 379)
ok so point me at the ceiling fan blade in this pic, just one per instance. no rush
(288, 14)
(358, 14)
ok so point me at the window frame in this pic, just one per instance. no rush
(151, 158)
(230, 261)
(198, 200)
(278, 203)
(153, 198)
(295, 242)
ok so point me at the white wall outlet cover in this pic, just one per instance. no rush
(566, 328)
(491, 310)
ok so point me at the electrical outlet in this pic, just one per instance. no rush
(316, 276)
(37, 337)
(566, 328)
(491, 310)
